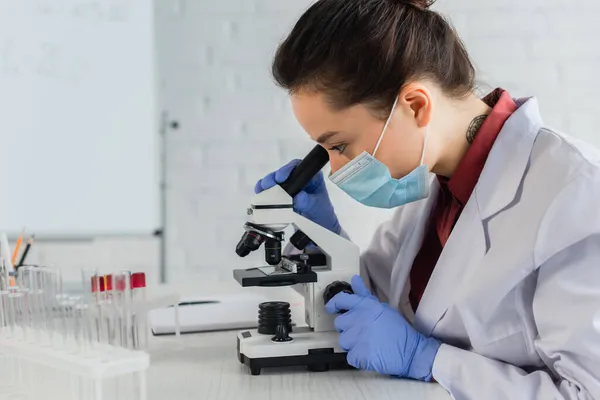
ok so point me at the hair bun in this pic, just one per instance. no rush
(422, 4)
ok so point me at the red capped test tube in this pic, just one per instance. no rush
(140, 324)
(112, 311)
(95, 283)
(122, 296)
(105, 310)
(102, 286)
(108, 279)
(92, 298)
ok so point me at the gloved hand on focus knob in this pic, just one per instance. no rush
(377, 338)
(312, 202)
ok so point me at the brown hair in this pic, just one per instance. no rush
(365, 51)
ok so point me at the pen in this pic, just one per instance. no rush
(27, 247)
(17, 247)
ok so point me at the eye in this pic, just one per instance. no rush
(339, 148)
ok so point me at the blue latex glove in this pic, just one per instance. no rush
(377, 338)
(312, 202)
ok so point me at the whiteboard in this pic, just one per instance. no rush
(78, 120)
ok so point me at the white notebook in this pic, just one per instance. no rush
(201, 314)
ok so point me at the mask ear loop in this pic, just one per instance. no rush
(385, 126)
(424, 145)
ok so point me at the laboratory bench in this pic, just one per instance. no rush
(205, 366)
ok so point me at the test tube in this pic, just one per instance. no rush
(2, 314)
(5, 305)
(50, 282)
(140, 325)
(102, 334)
(80, 331)
(3, 292)
(17, 303)
(95, 313)
(108, 279)
(9, 307)
(112, 312)
(41, 281)
(123, 302)
(26, 282)
(58, 283)
(105, 313)
(61, 310)
(64, 305)
(4, 276)
(89, 283)
(64, 312)
(88, 328)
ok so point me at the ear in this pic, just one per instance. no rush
(415, 99)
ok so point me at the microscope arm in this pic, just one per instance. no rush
(343, 259)
(341, 253)
(291, 250)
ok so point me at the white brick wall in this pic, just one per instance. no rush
(235, 125)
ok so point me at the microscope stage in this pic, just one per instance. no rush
(317, 351)
(268, 276)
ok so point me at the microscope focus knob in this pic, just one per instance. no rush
(334, 288)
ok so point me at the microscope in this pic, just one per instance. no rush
(317, 276)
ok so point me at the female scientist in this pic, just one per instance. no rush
(487, 277)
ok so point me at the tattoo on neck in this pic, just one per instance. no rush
(474, 127)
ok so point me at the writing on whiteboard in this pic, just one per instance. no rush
(55, 40)
(45, 59)
(102, 11)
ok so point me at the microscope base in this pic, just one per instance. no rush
(318, 351)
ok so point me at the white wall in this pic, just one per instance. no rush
(236, 126)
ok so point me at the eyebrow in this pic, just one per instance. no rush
(326, 136)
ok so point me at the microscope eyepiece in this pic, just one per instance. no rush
(310, 165)
(256, 235)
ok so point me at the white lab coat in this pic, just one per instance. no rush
(515, 295)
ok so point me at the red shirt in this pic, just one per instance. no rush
(455, 192)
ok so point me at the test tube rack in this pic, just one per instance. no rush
(90, 347)
(32, 369)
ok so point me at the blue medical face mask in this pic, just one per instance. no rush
(368, 180)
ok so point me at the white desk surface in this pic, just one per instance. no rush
(205, 366)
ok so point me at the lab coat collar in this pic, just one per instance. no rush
(508, 158)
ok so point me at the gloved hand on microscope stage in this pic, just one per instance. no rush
(377, 338)
(312, 202)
